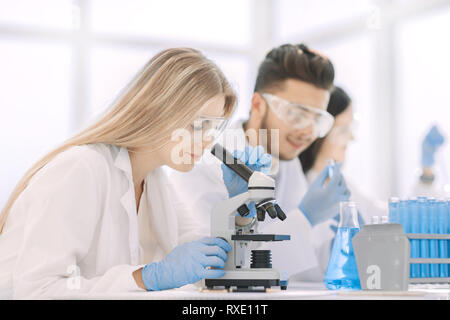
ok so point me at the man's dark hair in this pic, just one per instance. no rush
(339, 102)
(294, 62)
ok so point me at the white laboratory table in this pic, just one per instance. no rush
(295, 291)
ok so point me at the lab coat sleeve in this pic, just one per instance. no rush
(292, 256)
(64, 204)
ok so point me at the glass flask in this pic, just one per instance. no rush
(342, 272)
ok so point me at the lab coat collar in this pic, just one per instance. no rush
(122, 160)
(128, 201)
(162, 216)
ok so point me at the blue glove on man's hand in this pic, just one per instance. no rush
(257, 160)
(187, 263)
(322, 203)
(432, 141)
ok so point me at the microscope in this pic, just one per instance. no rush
(240, 230)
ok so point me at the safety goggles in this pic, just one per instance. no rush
(208, 128)
(342, 134)
(299, 116)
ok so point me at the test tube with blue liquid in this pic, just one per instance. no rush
(331, 164)
(403, 215)
(423, 228)
(442, 229)
(433, 229)
(413, 227)
(426, 216)
(448, 232)
(394, 210)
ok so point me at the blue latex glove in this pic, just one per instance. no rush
(320, 202)
(333, 227)
(257, 160)
(187, 264)
(432, 141)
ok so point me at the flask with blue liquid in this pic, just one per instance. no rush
(342, 272)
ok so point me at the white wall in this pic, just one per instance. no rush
(423, 83)
(63, 61)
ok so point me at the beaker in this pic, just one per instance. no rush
(342, 272)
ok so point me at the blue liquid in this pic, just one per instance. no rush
(413, 227)
(403, 215)
(433, 228)
(394, 212)
(448, 231)
(423, 227)
(442, 229)
(342, 272)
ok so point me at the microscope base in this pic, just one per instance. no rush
(242, 283)
(247, 279)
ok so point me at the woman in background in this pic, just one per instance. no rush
(334, 146)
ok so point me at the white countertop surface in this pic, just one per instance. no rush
(295, 291)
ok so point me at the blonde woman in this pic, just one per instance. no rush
(97, 214)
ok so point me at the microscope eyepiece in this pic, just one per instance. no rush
(231, 162)
(280, 214)
(271, 210)
(267, 205)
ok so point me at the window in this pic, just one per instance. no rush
(294, 18)
(423, 67)
(64, 61)
(237, 70)
(35, 104)
(199, 21)
(110, 70)
(58, 14)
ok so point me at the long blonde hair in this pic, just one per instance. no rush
(165, 95)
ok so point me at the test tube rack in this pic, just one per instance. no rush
(428, 236)
(383, 257)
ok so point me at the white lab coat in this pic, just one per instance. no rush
(203, 188)
(432, 190)
(74, 229)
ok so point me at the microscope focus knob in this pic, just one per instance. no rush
(243, 210)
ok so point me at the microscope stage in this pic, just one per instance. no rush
(260, 237)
